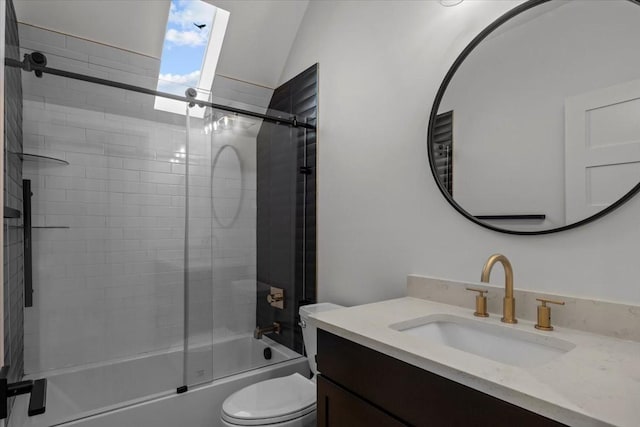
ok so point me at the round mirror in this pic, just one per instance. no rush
(536, 126)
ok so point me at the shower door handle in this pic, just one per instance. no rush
(28, 243)
(37, 389)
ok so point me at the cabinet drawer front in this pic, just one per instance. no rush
(412, 394)
(338, 407)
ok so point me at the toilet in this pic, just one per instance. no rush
(283, 402)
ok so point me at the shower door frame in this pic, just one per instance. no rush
(3, 5)
(291, 120)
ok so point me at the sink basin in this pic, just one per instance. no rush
(503, 344)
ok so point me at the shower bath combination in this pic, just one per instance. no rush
(148, 281)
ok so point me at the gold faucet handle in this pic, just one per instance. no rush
(544, 314)
(544, 301)
(481, 302)
(271, 298)
(275, 298)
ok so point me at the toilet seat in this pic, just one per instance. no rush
(272, 401)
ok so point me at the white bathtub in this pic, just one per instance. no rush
(141, 391)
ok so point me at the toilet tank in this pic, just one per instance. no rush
(309, 332)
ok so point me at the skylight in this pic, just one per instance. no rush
(192, 44)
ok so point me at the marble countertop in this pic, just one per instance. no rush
(596, 383)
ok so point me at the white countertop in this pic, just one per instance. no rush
(596, 383)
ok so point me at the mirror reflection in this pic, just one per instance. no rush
(541, 121)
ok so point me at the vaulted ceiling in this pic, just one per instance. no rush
(138, 26)
(258, 39)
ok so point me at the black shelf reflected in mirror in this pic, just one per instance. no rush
(537, 217)
(60, 227)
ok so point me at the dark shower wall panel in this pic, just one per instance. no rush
(303, 93)
(13, 239)
(287, 207)
(276, 220)
(14, 304)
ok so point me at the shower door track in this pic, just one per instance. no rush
(291, 121)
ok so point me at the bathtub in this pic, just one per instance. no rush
(141, 391)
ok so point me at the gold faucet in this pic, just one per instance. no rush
(274, 327)
(509, 302)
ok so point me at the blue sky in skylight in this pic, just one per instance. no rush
(185, 45)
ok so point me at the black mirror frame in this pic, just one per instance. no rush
(434, 112)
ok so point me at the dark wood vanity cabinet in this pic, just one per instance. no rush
(340, 407)
(362, 387)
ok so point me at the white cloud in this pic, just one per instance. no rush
(178, 83)
(188, 12)
(193, 76)
(186, 38)
(182, 17)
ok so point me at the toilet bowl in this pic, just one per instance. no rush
(286, 401)
(283, 402)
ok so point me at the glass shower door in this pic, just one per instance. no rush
(198, 254)
(235, 217)
(107, 323)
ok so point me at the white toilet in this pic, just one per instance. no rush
(282, 402)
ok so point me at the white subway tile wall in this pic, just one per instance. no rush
(111, 285)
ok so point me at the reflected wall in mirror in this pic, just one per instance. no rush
(536, 127)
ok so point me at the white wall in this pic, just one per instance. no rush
(508, 100)
(258, 38)
(141, 24)
(380, 214)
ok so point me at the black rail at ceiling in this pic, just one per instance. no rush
(26, 230)
(508, 217)
(291, 121)
(11, 213)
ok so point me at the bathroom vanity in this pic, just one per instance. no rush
(364, 387)
(381, 364)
